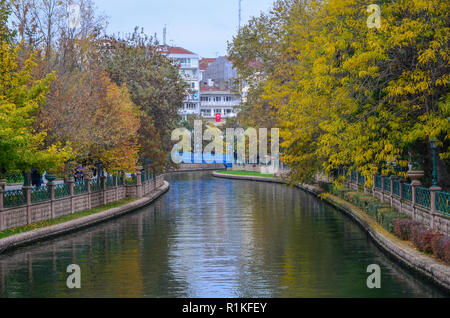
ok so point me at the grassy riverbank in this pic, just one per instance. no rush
(246, 173)
(63, 219)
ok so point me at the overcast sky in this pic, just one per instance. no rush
(201, 26)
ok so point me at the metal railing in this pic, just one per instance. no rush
(407, 192)
(396, 187)
(62, 190)
(12, 178)
(80, 187)
(443, 202)
(14, 198)
(40, 194)
(423, 197)
(110, 182)
(387, 184)
(378, 182)
(96, 185)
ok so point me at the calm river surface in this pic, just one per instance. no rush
(212, 237)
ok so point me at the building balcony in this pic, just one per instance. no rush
(221, 104)
(213, 115)
(187, 111)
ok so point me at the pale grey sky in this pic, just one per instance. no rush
(201, 26)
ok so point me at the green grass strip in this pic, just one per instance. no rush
(246, 173)
(63, 219)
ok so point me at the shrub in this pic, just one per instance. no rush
(365, 200)
(423, 237)
(386, 217)
(374, 206)
(403, 228)
(441, 248)
(340, 192)
(328, 187)
(350, 196)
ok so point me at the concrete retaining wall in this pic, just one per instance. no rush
(185, 167)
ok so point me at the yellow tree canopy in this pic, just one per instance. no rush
(21, 147)
(350, 95)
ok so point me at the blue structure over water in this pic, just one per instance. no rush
(208, 158)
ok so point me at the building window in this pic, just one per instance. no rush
(190, 106)
(217, 111)
(184, 61)
(205, 99)
(228, 99)
(206, 112)
(217, 99)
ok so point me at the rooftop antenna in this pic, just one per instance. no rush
(240, 13)
(165, 35)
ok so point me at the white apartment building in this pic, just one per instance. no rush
(218, 100)
(188, 62)
(208, 80)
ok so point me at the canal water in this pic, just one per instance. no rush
(211, 237)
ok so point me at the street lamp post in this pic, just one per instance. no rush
(434, 148)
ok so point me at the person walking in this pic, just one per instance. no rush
(36, 179)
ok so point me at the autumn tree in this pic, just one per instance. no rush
(366, 98)
(21, 97)
(84, 107)
(155, 86)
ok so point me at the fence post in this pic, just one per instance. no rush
(116, 186)
(1, 198)
(433, 210)
(3, 184)
(88, 180)
(414, 185)
(51, 187)
(27, 190)
(139, 182)
(103, 181)
(1, 208)
(72, 193)
(392, 189)
(383, 188)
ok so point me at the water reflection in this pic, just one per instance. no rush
(213, 238)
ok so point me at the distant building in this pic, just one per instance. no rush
(204, 64)
(210, 81)
(188, 63)
(221, 71)
(218, 100)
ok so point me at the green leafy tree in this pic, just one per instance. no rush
(21, 146)
(155, 86)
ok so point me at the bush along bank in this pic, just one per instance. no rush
(399, 224)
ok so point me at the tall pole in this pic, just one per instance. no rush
(240, 13)
(165, 35)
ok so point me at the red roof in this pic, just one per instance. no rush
(175, 50)
(204, 88)
(206, 62)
